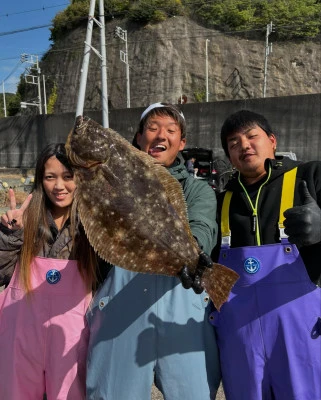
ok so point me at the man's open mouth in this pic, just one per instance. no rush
(157, 149)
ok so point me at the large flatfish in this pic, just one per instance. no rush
(132, 209)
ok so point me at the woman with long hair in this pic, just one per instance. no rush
(43, 334)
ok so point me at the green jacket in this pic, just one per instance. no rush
(201, 205)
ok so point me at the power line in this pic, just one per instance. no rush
(9, 58)
(24, 29)
(210, 34)
(33, 10)
(201, 35)
(13, 71)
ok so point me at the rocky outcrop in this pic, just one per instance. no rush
(168, 60)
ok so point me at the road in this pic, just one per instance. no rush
(156, 395)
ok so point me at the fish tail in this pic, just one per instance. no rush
(218, 282)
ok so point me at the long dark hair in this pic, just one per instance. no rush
(36, 226)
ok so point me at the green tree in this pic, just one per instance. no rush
(77, 13)
(292, 18)
(68, 19)
(8, 98)
(200, 95)
(14, 105)
(225, 14)
(52, 99)
(116, 8)
(145, 11)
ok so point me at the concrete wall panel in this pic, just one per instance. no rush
(295, 119)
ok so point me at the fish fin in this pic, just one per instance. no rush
(176, 197)
(218, 282)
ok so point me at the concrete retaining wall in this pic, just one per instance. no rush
(295, 119)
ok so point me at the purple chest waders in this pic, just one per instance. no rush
(269, 331)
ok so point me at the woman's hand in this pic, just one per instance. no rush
(13, 218)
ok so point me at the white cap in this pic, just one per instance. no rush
(157, 105)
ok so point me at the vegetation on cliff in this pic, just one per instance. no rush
(292, 18)
(8, 97)
(171, 52)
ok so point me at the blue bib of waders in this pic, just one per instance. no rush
(269, 331)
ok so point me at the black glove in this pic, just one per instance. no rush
(303, 223)
(194, 280)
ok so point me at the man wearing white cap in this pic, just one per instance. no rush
(148, 328)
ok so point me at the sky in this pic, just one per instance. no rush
(18, 15)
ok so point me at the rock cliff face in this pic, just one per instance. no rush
(168, 60)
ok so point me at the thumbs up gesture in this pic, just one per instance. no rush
(303, 223)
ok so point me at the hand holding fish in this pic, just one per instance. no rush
(13, 218)
(194, 280)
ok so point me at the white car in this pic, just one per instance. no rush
(290, 154)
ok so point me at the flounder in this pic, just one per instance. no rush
(132, 209)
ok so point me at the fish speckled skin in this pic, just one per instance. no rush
(133, 211)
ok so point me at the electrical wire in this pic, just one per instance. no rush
(201, 35)
(33, 10)
(13, 71)
(24, 29)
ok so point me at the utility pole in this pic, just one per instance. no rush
(206, 67)
(103, 64)
(39, 86)
(33, 79)
(268, 50)
(4, 100)
(85, 61)
(102, 56)
(44, 93)
(122, 34)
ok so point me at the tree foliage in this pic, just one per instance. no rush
(153, 11)
(292, 18)
(68, 19)
(8, 97)
(116, 8)
(52, 99)
(14, 105)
